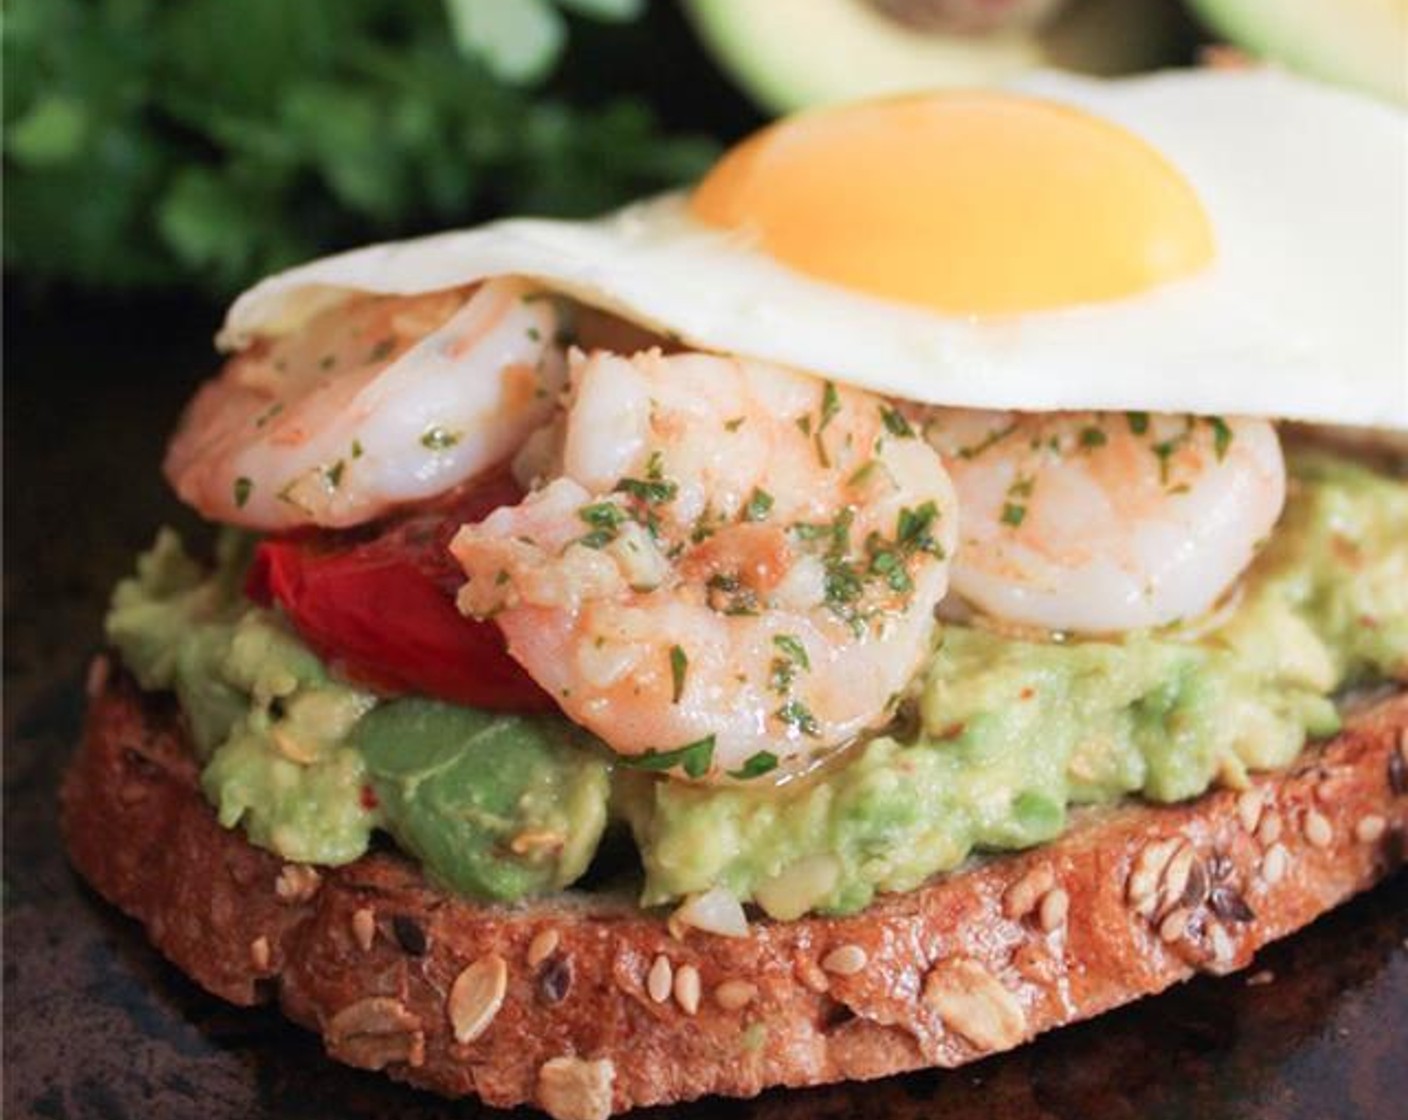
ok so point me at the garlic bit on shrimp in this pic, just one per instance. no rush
(1103, 522)
(733, 568)
(376, 401)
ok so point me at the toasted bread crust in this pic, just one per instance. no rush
(589, 1006)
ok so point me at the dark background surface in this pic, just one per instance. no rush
(97, 1025)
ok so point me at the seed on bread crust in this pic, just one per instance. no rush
(1051, 911)
(973, 1004)
(410, 935)
(1223, 951)
(1249, 806)
(476, 996)
(543, 945)
(1370, 828)
(1317, 829)
(1022, 896)
(1174, 924)
(1176, 874)
(574, 1089)
(732, 995)
(259, 953)
(1269, 831)
(364, 927)
(845, 961)
(1230, 906)
(660, 980)
(297, 882)
(1146, 875)
(555, 979)
(687, 988)
(1274, 864)
(375, 1032)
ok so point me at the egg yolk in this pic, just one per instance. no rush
(968, 202)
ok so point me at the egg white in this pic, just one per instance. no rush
(1303, 315)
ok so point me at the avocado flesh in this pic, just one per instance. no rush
(1003, 735)
(1358, 43)
(789, 54)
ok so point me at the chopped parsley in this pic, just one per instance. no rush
(1092, 437)
(1221, 437)
(651, 492)
(796, 715)
(895, 423)
(605, 519)
(356, 449)
(734, 424)
(784, 669)
(759, 505)
(997, 435)
(382, 350)
(1138, 422)
(1014, 509)
(764, 762)
(439, 439)
(243, 488)
(694, 759)
(830, 405)
(679, 666)
(793, 648)
(334, 474)
(1013, 514)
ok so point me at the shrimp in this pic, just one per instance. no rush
(733, 569)
(374, 402)
(1101, 522)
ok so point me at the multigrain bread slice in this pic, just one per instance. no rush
(587, 1005)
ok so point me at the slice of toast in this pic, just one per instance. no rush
(585, 1005)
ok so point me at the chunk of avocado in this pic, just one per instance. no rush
(1357, 43)
(788, 54)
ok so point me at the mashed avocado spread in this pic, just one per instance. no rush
(1004, 735)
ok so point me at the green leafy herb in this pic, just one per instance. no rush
(1092, 437)
(439, 439)
(830, 405)
(756, 765)
(651, 491)
(694, 759)
(605, 519)
(1138, 422)
(1221, 436)
(235, 139)
(759, 505)
(243, 488)
(1013, 514)
(793, 649)
(895, 423)
(679, 666)
(797, 716)
(734, 424)
(381, 351)
(334, 474)
(997, 435)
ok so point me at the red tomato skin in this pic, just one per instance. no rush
(381, 611)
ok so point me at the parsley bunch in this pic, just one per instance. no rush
(209, 142)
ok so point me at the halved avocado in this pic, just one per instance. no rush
(1359, 43)
(788, 54)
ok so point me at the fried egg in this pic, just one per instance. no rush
(1200, 242)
